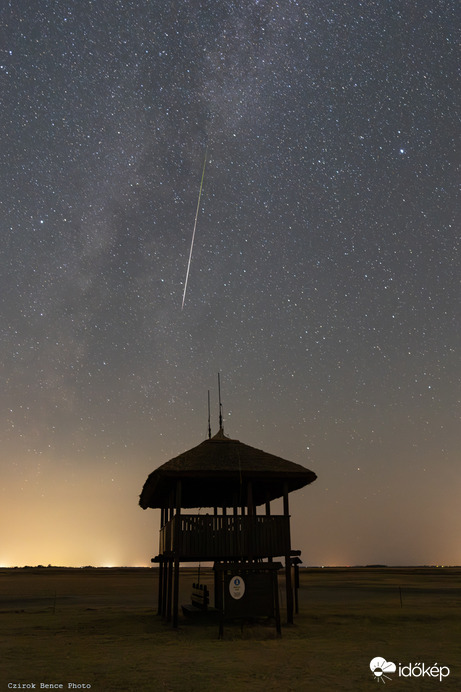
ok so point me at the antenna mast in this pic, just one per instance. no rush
(209, 423)
(220, 404)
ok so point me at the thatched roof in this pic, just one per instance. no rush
(216, 472)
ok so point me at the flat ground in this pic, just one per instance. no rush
(98, 627)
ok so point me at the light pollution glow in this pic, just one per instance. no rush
(324, 284)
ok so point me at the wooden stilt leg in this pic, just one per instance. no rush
(169, 590)
(175, 593)
(160, 587)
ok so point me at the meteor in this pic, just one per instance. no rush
(193, 232)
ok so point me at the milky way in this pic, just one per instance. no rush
(324, 284)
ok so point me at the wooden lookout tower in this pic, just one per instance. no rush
(238, 483)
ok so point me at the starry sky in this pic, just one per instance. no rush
(324, 282)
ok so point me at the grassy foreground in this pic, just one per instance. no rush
(98, 627)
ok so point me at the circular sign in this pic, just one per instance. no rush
(236, 587)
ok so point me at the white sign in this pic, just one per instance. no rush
(236, 587)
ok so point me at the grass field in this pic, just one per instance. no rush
(98, 627)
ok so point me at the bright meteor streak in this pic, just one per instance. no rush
(193, 232)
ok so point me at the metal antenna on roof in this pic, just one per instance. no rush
(209, 423)
(220, 405)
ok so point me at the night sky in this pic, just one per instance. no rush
(324, 283)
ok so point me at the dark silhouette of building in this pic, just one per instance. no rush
(234, 480)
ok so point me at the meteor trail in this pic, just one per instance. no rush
(193, 232)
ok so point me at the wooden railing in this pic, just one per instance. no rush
(211, 537)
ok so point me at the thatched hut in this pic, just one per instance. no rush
(234, 479)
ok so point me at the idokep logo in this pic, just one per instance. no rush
(380, 668)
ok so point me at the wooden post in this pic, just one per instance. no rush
(289, 588)
(268, 513)
(250, 504)
(169, 563)
(160, 586)
(177, 548)
(164, 585)
(252, 541)
(275, 591)
(160, 568)
(168, 588)
(296, 569)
